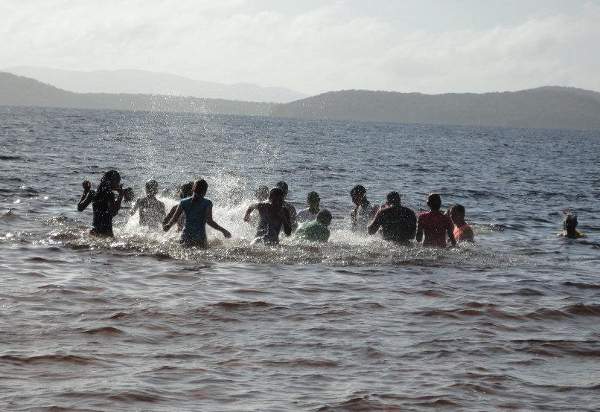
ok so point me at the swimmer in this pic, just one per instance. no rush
(398, 223)
(570, 227)
(313, 200)
(104, 205)
(273, 216)
(433, 226)
(363, 212)
(462, 231)
(185, 190)
(291, 209)
(316, 230)
(198, 213)
(152, 210)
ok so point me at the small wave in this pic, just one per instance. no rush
(581, 285)
(72, 359)
(303, 363)
(105, 330)
(9, 157)
(136, 396)
(241, 305)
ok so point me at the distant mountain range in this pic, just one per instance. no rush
(544, 107)
(146, 82)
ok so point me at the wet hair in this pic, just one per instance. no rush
(276, 192)
(200, 187)
(262, 193)
(434, 200)
(186, 190)
(458, 209)
(107, 180)
(283, 186)
(358, 190)
(570, 222)
(393, 198)
(152, 187)
(324, 217)
(312, 196)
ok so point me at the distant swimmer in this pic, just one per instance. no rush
(316, 230)
(185, 190)
(433, 226)
(363, 211)
(151, 210)
(398, 223)
(291, 209)
(462, 231)
(570, 227)
(313, 200)
(104, 204)
(273, 216)
(198, 213)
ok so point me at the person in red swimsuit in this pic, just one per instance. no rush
(462, 231)
(433, 226)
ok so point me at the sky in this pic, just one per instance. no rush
(429, 46)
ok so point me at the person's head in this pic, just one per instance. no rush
(152, 187)
(357, 194)
(276, 196)
(313, 200)
(570, 223)
(200, 187)
(324, 217)
(393, 198)
(284, 188)
(434, 201)
(457, 213)
(262, 193)
(111, 179)
(186, 190)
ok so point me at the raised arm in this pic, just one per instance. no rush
(86, 197)
(249, 212)
(174, 218)
(210, 222)
(375, 224)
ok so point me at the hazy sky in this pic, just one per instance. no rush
(405, 45)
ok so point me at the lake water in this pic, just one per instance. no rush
(138, 323)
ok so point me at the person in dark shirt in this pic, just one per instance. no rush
(152, 210)
(104, 204)
(433, 226)
(397, 223)
(290, 207)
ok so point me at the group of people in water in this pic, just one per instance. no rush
(273, 214)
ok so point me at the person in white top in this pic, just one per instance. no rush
(311, 212)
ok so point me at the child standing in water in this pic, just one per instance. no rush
(462, 231)
(185, 190)
(104, 205)
(316, 230)
(273, 216)
(152, 210)
(433, 226)
(313, 200)
(198, 213)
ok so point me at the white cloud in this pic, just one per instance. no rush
(327, 47)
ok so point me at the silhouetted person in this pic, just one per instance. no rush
(313, 200)
(462, 231)
(273, 217)
(185, 190)
(316, 230)
(363, 211)
(198, 214)
(291, 209)
(398, 223)
(104, 204)
(152, 210)
(433, 226)
(570, 227)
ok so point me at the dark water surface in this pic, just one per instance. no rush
(137, 323)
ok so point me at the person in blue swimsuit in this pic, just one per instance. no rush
(198, 213)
